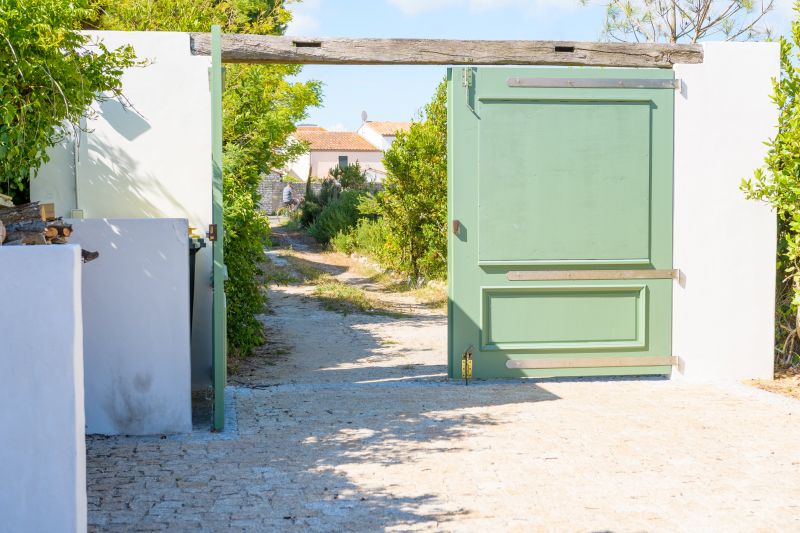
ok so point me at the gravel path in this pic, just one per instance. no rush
(355, 428)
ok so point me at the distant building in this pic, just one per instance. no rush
(327, 149)
(382, 134)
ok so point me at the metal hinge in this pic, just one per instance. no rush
(466, 365)
(212, 232)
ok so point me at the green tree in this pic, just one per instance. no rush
(349, 176)
(414, 200)
(260, 110)
(778, 183)
(49, 76)
(676, 21)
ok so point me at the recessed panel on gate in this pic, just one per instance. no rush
(564, 317)
(564, 181)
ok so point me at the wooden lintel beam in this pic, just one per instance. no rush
(265, 49)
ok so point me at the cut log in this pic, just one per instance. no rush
(32, 211)
(48, 211)
(2, 233)
(239, 48)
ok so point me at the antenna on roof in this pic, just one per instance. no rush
(363, 116)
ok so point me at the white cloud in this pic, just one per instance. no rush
(415, 7)
(305, 20)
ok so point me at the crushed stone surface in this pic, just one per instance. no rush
(354, 426)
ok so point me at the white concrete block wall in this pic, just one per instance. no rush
(136, 323)
(152, 160)
(723, 325)
(42, 445)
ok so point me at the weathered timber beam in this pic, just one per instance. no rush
(242, 48)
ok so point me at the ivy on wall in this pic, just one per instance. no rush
(49, 76)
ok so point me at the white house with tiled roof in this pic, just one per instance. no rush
(327, 149)
(382, 133)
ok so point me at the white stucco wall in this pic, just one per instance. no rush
(298, 168)
(323, 162)
(42, 445)
(374, 137)
(152, 160)
(136, 323)
(724, 244)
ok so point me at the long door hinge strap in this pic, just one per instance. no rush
(564, 275)
(592, 83)
(593, 362)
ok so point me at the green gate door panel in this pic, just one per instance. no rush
(558, 179)
(605, 146)
(219, 333)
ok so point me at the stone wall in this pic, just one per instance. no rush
(271, 191)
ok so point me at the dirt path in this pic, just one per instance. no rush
(345, 422)
(309, 344)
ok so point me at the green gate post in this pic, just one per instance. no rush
(219, 330)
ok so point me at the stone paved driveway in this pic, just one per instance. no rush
(555, 456)
(357, 430)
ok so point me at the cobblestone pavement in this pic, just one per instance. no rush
(358, 430)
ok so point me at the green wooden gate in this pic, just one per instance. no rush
(560, 254)
(219, 326)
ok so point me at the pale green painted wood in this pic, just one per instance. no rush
(219, 326)
(558, 179)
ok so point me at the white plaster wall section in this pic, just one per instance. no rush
(723, 326)
(150, 160)
(323, 161)
(55, 181)
(373, 136)
(136, 318)
(298, 168)
(42, 444)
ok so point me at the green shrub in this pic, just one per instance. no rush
(414, 201)
(371, 238)
(49, 76)
(778, 183)
(340, 215)
(309, 211)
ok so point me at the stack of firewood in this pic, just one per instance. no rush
(32, 223)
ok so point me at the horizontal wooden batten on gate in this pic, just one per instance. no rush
(591, 275)
(593, 362)
(241, 48)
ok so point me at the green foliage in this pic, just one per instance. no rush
(49, 76)
(235, 16)
(685, 20)
(350, 176)
(260, 110)
(414, 200)
(778, 183)
(371, 238)
(339, 215)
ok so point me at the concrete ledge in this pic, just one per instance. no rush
(42, 446)
(136, 315)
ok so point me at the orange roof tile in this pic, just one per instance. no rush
(335, 141)
(310, 127)
(388, 128)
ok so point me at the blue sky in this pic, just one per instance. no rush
(397, 92)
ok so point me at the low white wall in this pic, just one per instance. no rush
(724, 244)
(42, 446)
(136, 322)
(151, 160)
